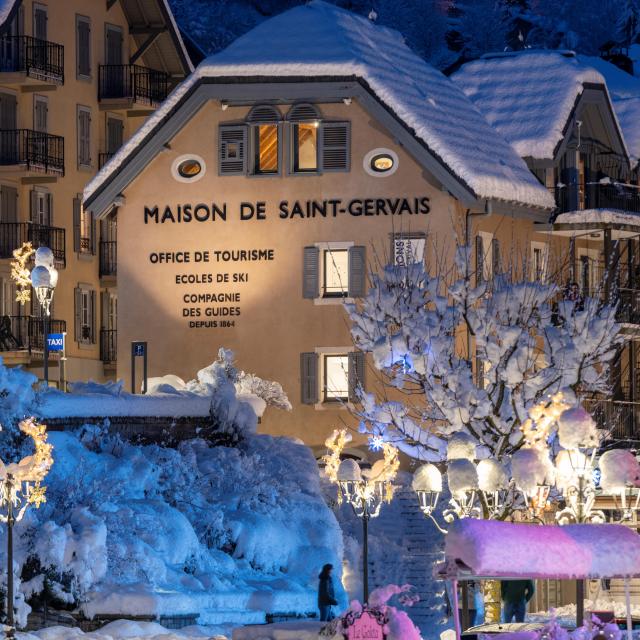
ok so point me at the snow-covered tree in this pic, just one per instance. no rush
(530, 340)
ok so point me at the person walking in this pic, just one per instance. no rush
(326, 594)
(515, 595)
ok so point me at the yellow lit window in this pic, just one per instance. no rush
(306, 146)
(336, 377)
(266, 160)
(336, 272)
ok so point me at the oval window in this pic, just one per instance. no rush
(381, 162)
(188, 168)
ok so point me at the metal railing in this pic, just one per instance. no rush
(108, 345)
(14, 234)
(108, 258)
(132, 82)
(619, 418)
(26, 333)
(36, 150)
(103, 158)
(597, 196)
(39, 59)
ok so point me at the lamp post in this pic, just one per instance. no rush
(365, 489)
(44, 278)
(19, 487)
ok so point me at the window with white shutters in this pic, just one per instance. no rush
(83, 47)
(85, 314)
(407, 248)
(84, 137)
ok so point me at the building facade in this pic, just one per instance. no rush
(262, 193)
(77, 79)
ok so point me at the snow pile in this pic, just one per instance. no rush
(322, 40)
(598, 216)
(531, 468)
(528, 95)
(427, 478)
(125, 629)
(577, 429)
(234, 398)
(619, 469)
(132, 530)
(462, 476)
(505, 550)
(461, 446)
(492, 476)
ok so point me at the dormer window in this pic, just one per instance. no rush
(305, 127)
(264, 121)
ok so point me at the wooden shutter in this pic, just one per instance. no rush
(336, 146)
(113, 45)
(40, 23)
(76, 224)
(311, 273)
(40, 110)
(356, 373)
(77, 314)
(94, 233)
(309, 377)
(84, 137)
(8, 111)
(8, 204)
(357, 272)
(479, 260)
(49, 212)
(33, 205)
(114, 134)
(232, 149)
(495, 256)
(92, 301)
(83, 47)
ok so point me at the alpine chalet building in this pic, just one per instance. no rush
(255, 200)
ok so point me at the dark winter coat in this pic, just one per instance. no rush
(326, 594)
(515, 591)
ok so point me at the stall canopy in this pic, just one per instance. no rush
(492, 549)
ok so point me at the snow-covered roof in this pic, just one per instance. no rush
(528, 96)
(489, 548)
(599, 216)
(320, 40)
(625, 94)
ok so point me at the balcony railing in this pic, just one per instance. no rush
(108, 345)
(108, 258)
(597, 196)
(14, 234)
(39, 59)
(103, 158)
(620, 419)
(132, 82)
(26, 333)
(35, 150)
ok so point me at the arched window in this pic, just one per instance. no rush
(305, 126)
(264, 121)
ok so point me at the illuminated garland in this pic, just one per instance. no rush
(20, 274)
(366, 487)
(537, 428)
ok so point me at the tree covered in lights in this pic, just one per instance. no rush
(529, 341)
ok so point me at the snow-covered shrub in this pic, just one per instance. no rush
(126, 523)
(620, 469)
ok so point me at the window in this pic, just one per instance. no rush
(84, 229)
(336, 273)
(41, 208)
(334, 270)
(40, 113)
(83, 47)
(264, 122)
(305, 146)
(39, 21)
(407, 249)
(487, 257)
(539, 254)
(188, 168)
(85, 310)
(380, 162)
(331, 375)
(84, 137)
(336, 378)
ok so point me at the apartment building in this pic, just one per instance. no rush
(77, 79)
(253, 204)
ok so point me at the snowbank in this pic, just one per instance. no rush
(131, 530)
(601, 216)
(502, 549)
(322, 40)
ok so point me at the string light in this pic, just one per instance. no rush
(20, 274)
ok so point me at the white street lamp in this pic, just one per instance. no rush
(44, 278)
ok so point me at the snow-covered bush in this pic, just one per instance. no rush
(126, 523)
(530, 339)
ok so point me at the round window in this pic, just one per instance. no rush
(188, 168)
(381, 162)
